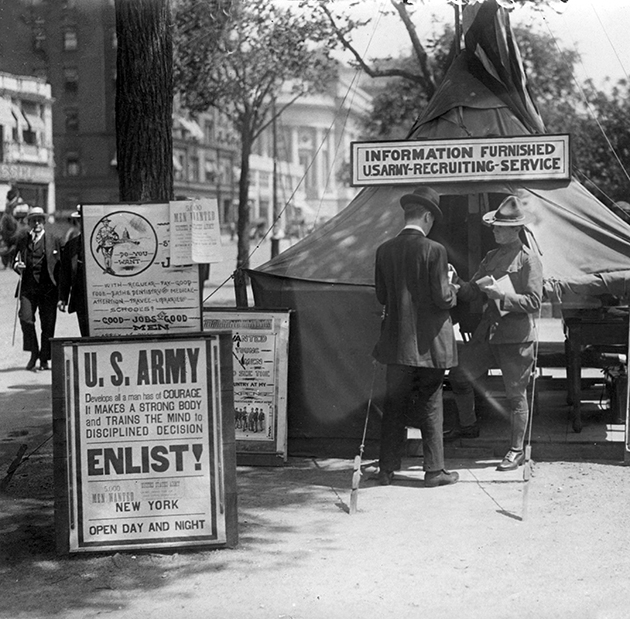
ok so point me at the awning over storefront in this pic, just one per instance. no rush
(6, 117)
(18, 114)
(35, 123)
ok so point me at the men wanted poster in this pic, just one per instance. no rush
(131, 285)
(149, 460)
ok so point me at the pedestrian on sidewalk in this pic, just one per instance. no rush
(417, 342)
(37, 263)
(71, 274)
(10, 225)
(511, 279)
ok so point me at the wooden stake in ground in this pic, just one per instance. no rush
(356, 469)
(527, 473)
(356, 480)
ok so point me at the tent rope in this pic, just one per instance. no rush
(590, 108)
(351, 89)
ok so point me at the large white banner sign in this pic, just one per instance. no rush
(539, 157)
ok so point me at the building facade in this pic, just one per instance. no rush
(26, 140)
(71, 45)
(312, 145)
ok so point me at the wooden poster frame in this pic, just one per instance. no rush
(260, 361)
(143, 443)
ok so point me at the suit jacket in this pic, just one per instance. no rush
(71, 286)
(411, 279)
(52, 249)
(524, 269)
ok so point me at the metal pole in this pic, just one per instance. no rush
(275, 240)
(458, 29)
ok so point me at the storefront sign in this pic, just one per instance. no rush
(145, 445)
(260, 362)
(23, 172)
(131, 285)
(536, 157)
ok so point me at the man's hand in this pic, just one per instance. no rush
(61, 306)
(18, 267)
(491, 288)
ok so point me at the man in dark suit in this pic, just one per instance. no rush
(71, 284)
(38, 251)
(417, 341)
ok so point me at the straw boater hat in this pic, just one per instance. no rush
(36, 211)
(509, 213)
(424, 196)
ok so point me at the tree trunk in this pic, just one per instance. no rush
(144, 100)
(243, 224)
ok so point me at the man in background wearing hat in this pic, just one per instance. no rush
(417, 342)
(37, 263)
(506, 335)
(71, 286)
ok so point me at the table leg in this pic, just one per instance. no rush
(574, 379)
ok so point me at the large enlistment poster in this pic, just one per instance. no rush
(131, 285)
(260, 351)
(145, 446)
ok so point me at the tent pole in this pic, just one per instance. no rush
(458, 29)
(240, 288)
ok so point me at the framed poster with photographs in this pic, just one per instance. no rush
(144, 448)
(260, 353)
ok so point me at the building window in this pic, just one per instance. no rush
(209, 131)
(29, 137)
(71, 80)
(70, 40)
(211, 171)
(178, 166)
(73, 165)
(72, 119)
(193, 173)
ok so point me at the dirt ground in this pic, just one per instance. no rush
(468, 550)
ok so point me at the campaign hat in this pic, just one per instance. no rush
(509, 213)
(424, 196)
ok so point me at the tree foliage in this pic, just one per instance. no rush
(594, 118)
(241, 69)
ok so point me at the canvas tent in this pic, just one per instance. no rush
(327, 278)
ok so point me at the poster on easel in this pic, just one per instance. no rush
(132, 287)
(260, 351)
(144, 453)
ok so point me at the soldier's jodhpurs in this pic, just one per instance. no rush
(515, 362)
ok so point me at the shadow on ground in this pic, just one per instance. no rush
(41, 583)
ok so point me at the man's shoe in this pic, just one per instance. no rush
(513, 459)
(44, 365)
(32, 361)
(385, 478)
(463, 432)
(434, 479)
